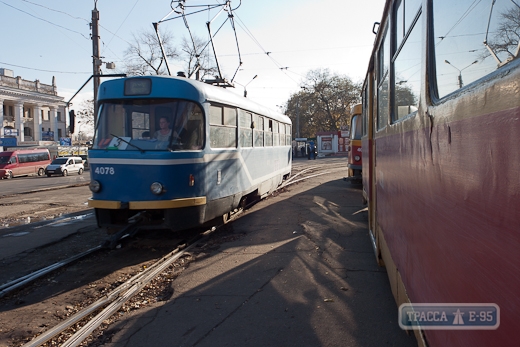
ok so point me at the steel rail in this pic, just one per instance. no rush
(19, 282)
(112, 301)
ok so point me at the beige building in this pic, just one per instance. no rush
(31, 111)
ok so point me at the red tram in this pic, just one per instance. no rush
(441, 166)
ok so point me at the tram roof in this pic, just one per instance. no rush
(188, 89)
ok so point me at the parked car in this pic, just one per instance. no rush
(64, 166)
(85, 160)
(23, 162)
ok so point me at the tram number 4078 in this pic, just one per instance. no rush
(104, 170)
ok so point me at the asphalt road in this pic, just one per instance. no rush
(20, 185)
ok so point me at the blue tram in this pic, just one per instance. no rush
(180, 153)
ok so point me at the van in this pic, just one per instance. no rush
(64, 166)
(24, 162)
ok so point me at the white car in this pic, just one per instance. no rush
(65, 165)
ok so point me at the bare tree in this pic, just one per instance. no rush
(197, 57)
(144, 56)
(507, 33)
(85, 118)
(323, 104)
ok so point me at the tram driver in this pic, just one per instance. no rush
(164, 133)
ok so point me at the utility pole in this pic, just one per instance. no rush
(96, 59)
(298, 117)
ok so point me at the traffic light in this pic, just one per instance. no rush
(72, 121)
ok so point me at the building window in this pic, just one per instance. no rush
(58, 116)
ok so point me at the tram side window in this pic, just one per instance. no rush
(282, 134)
(407, 60)
(268, 132)
(383, 60)
(258, 130)
(276, 134)
(288, 137)
(365, 111)
(246, 131)
(461, 32)
(222, 127)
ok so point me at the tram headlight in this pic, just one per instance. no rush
(357, 158)
(94, 186)
(157, 188)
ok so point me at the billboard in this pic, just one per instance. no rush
(10, 132)
(47, 135)
(65, 141)
(8, 142)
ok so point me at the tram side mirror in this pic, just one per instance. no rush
(253, 125)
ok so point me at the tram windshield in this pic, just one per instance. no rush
(149, 124)
(355, 128)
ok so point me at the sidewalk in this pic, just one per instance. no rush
(300, 272)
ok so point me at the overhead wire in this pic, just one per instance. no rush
(462, 17)
(123, 22)
(53, 24)
(44, 20)
(43, 70)
(51, 9)
(250, 34)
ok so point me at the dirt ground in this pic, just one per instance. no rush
(43, 205)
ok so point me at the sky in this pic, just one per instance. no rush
(46, 38)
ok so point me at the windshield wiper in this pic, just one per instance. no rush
(131, 144)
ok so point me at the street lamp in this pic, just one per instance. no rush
(460, 71)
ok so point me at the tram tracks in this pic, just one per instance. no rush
(24, 280)
(76, 328)
(114, 300)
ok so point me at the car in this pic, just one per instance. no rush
(24, 162)
(64, 166)
(84, 157)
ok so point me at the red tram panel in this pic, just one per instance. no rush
(441, 169)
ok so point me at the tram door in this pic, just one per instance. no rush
(369, 113)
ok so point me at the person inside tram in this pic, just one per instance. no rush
(164, 133)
